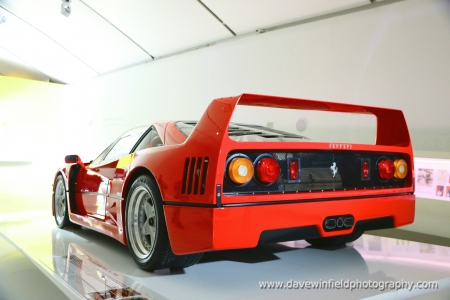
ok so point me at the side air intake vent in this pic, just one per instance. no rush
(194, 175)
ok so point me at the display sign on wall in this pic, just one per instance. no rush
(432, 178)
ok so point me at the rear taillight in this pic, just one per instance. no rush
(268, 170)
(386, 169)
(401, 168)
(365, 169)
(240, 170)
(294, 169)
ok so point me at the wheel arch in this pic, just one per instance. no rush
(162, 255)
(135, 173)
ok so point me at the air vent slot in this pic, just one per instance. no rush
(186, 168)
(194, 175)
(191, 174)
(204, 172)
(197, 174)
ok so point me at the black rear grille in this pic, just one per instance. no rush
(194, 175)
(316, 172)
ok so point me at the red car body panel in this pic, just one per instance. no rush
(196, 229)
(200, 217)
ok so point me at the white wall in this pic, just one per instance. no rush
(393, 55)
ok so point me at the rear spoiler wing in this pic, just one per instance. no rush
(391, 124)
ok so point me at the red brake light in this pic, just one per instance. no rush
(268, 170)
(386, 169)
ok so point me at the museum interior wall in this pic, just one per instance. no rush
(31, 132)
(393, 55)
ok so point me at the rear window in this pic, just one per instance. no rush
(186, 127)
(254, 133)
(246, 132)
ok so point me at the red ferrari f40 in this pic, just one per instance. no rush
(174, 190)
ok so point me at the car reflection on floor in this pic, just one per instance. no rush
(93, 277)
(86, 275)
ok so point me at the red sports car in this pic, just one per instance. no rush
(173, 190)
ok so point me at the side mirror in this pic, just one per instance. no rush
(72, 159)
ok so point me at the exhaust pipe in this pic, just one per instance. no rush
(338, 223)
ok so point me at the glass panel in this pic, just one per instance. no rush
(186, 127)
(152, 139)
(99, 158)
(124, 145)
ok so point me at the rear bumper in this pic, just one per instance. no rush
(199, 229)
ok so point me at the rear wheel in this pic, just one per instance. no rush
(334, 241)
(60, 203)
(146, 229)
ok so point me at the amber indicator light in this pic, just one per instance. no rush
(240, 170)
(401, 168)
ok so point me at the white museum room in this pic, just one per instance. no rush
(211, 149)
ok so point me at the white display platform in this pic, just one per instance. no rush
(85, 264)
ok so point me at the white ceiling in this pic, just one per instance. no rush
(102, 36)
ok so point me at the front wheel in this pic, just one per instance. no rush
(146, 230)
(60, 203)
(334, 241)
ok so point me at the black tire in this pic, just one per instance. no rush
(146, 229)
(335, 241)
(60, 203)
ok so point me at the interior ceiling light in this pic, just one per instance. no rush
(2, 19)
(65, 7)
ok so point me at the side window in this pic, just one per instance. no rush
(124, 145)
(152, 139)
(99, 158)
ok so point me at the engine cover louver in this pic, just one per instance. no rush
(194, 175)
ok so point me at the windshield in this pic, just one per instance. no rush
(121, 146)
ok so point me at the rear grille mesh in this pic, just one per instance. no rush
(194, 175)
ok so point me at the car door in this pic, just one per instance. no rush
(104, 176)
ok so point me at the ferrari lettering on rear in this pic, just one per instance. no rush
(340, 146)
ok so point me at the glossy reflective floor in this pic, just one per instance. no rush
(84, 264)
(16, 270)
